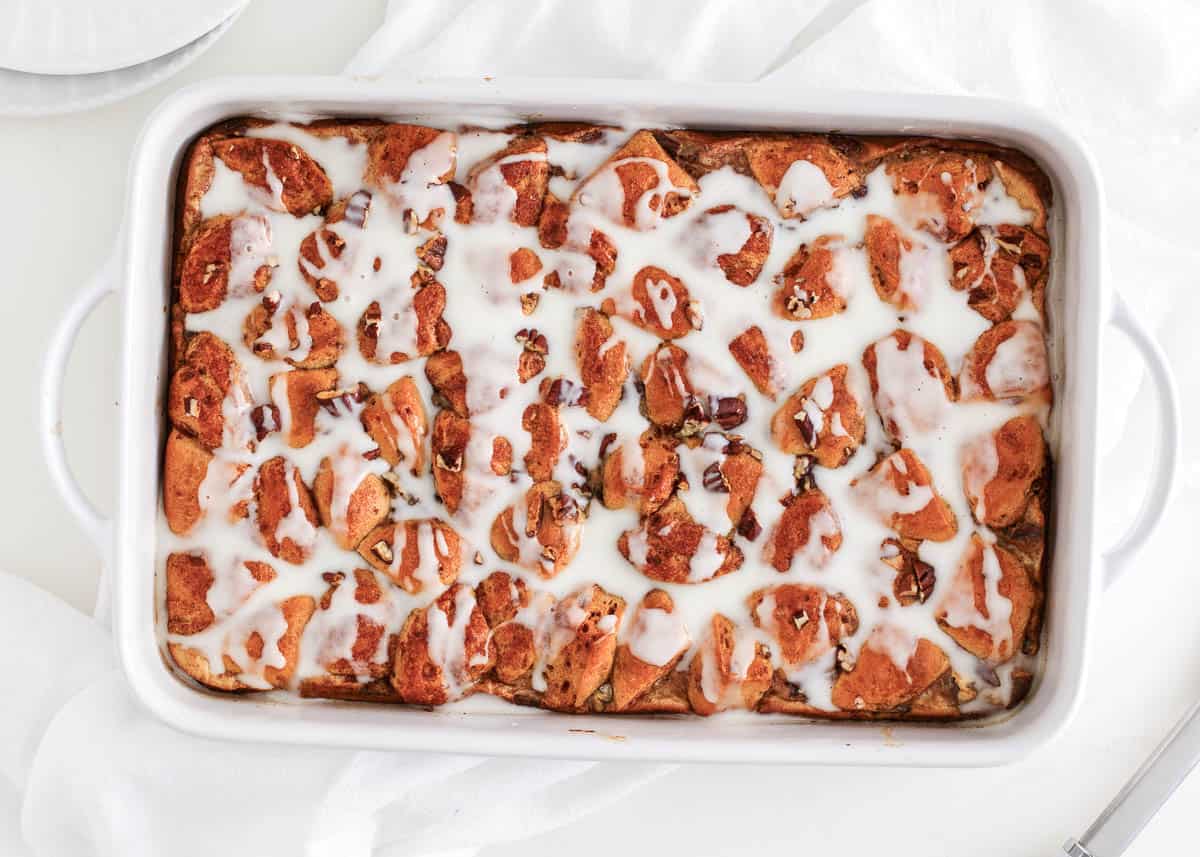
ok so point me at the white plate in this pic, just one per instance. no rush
(24, 94)
(72, 37)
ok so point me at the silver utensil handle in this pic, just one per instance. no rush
(1148, 789)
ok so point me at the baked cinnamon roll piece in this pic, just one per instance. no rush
(802, 173)
(444, 371)
(541, 533)
(911, 384)
(822, 419)
(511, 184)
(404, 323)
(719, 464)
(653, 643)
(327, 254)
(351, 497)
(752, 352)
(730, 669)
(816, 282)
(579, 646)
(987, 607)
(442, 649)
(241, 647)
(639, 470)
(516, 616)
(285, 513)
(189, 577)
(806, 625)
(208, 374)
(891, 670)
(603, 363)
(667, 389)
(808, 529)
(298, 395)
(1000, 470)
(900, 491)
(735, 241)
(229, 255)
(940, 190)
(306, 337)
(639, 185)
(903, 269)
(448, 442)
(354, 629)
(395, 419)
(411, 165)
(662, 305)
(280, 174)
(185, 467)
(998, 266)
(1007, 362)
(418, 555)
(670, 546)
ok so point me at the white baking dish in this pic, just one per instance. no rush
(1083, 306)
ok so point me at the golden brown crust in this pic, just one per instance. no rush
(639, 180)
(806, 516)
(805, 621)
(448, 442)
(751, 351)
(658, 469)
(997, 266)
(1019, 377)
(367, 505)
(654, 290)
(1019, 462)
(934, 364)
(542, 532)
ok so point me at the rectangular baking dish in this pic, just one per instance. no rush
(1081, 306)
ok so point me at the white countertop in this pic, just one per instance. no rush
(63, 181)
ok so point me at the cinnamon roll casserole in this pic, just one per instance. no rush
(609, 420)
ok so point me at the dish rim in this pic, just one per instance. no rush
(1075, 570)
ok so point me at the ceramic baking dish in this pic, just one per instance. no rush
(1083, 306)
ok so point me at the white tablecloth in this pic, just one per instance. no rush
(85, 771)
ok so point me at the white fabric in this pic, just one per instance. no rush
(88, 773)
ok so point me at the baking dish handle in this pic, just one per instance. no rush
(54, 368)
(1162, 478)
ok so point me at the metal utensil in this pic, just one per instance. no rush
(1147, 790)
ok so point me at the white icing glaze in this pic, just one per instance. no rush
(908, 395)
(803, 189)
(657, 636)
(1019, 365)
